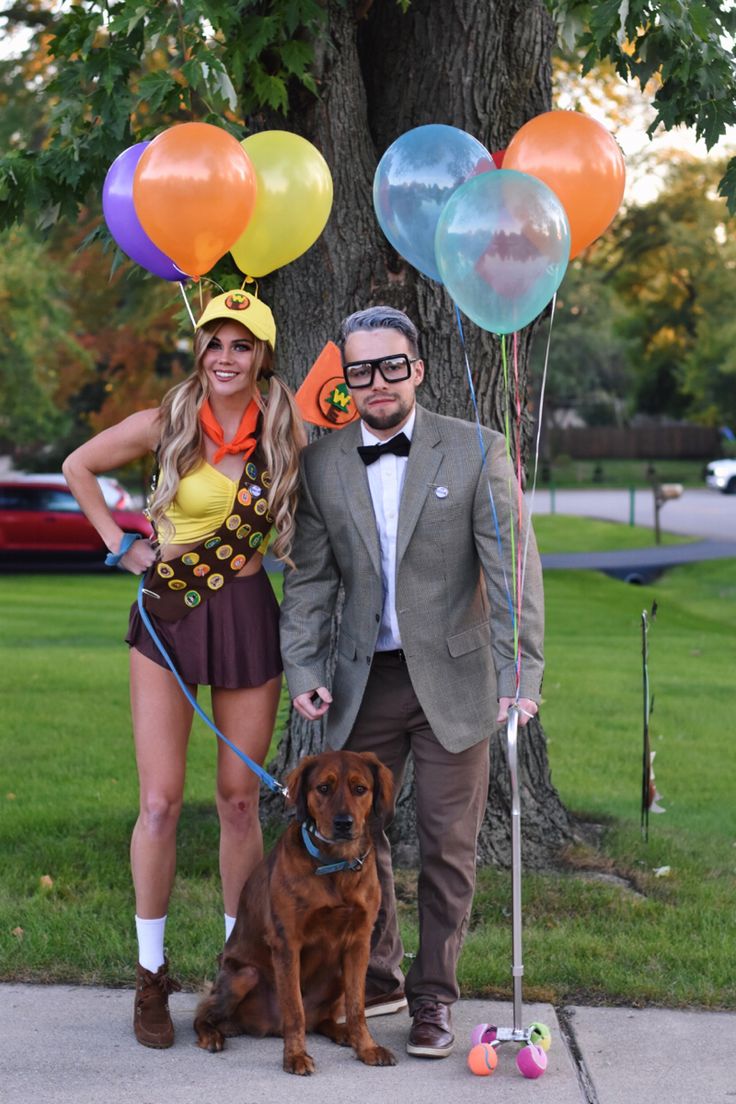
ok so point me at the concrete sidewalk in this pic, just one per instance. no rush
(74, 1045)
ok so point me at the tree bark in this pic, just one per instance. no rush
(485, 68)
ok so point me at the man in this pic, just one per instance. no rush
(426, 655)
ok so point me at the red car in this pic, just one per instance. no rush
(40, 520)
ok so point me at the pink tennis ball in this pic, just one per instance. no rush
(482, 1060)
(531, 1061)
(483, 1033)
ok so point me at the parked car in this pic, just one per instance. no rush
(40, 520)
(116, 496)
(721, 475)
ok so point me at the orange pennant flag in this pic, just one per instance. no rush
(324, 398)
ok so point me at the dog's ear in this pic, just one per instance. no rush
(383, 783)
(298, 786)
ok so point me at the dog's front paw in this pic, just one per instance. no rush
(377, 1056)
(301, 1063)
(209, 1038)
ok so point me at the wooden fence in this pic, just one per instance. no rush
(678, 442)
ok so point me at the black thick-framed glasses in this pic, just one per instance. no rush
(394, 369)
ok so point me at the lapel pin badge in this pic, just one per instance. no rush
(441, 492)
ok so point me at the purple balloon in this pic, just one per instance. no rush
(122, 220)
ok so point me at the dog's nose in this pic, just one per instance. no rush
(342, 824)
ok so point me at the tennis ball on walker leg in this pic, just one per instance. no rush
(531, 1061)
(540, 1034)
(483, 1033)
(482, 1060)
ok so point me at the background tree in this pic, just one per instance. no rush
(671, 265)
(352, 76)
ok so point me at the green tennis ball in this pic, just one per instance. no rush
(540, 1035)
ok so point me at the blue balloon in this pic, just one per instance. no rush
(414, 180)
(502, 247)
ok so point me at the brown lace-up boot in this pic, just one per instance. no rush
(151, 1020)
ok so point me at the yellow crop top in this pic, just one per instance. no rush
(204, 499)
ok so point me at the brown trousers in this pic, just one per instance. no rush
(451, 792)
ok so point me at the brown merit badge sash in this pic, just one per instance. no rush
(174, 587)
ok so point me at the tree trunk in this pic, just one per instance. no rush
(482, 67)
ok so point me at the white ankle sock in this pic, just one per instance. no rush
(150, 942)
(229, 925)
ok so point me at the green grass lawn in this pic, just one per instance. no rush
(561, 533)
(566, 472)
(68, 795)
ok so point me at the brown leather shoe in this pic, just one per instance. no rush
(378, 1004)
(431, 1034)
(384, 1004)
(151, 1020)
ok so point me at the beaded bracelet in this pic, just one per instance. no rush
(112, 559)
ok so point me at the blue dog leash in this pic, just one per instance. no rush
(265, 777)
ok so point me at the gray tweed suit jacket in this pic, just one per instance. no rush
(452, 580)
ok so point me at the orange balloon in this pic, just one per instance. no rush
(582, 164)
(194, 190)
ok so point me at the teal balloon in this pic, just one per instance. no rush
(414, 180)
(502, 247)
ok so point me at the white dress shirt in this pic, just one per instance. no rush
(386, 480)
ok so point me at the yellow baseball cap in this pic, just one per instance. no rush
(241, 306)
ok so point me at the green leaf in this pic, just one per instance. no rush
(296, 56)
(155, 88)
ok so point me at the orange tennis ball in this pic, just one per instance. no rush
(482, 1060)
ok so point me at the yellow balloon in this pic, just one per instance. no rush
(293, 201)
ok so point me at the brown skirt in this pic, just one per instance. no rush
(230, 641)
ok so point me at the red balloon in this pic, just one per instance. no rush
(582, 164)
(194, 190)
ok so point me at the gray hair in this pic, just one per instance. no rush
(379, 318)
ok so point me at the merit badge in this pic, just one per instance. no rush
(237, 562)
(250, 470)
(224, 552)
(243, 531)
(215, 582)
(266, 478)
(255, 540)
(260, 507)
(192, 599)
(201, 570)
(176, 584)
(212, 542)
(244, 497)
(165, 571)
(233, 521)
(190, 558)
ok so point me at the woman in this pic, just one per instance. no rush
(227, 442)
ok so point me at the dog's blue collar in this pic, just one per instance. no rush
(308, 827)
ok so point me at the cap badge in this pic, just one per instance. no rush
(237, 301)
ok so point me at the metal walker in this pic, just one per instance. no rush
(534, 1040)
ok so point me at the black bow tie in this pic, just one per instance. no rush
(399, 445)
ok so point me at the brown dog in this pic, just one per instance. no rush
(305, 916)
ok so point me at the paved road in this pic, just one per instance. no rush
(699, 513)
(72, 1045)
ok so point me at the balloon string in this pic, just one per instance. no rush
(538, 437)
(512, 534)
(519, 498)
(186, 303)
(483, 451)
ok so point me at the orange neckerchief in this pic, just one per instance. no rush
(244, 440)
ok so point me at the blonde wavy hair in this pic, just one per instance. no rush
(181, 442)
